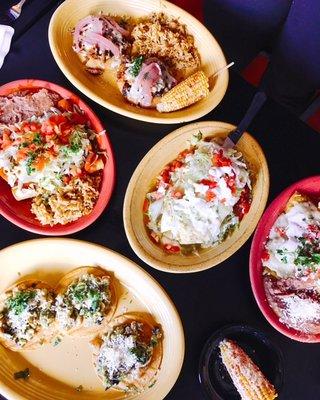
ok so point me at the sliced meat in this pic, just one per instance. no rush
(297, 305)
(141, 90)
(101, 32)
(152, 80)
(91, 22)
(20, 106)
(104, 43)
(112, 24)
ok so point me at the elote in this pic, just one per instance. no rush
(246, 376)
(187, 92)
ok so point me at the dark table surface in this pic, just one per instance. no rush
(221, 295)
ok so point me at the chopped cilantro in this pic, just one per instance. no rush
(30, 160)
(142, 353)
(136, 66)
(95, 297)
(75, 142)
(19, 302)
(37, 139)
(195, 138)
(24, 374)
(308, 255)
(81, 292)
(57, 341)
(23, 145)
(316, 258)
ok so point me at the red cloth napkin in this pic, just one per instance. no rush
(194, 7)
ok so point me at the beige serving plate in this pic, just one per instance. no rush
(103, 89)
(149, 168)
(56, 371)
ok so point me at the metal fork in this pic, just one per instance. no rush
(15, 11)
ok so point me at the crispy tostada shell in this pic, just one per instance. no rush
(43, 335)
(146, 376)
(73, 276)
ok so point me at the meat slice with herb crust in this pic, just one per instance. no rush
(86, 301)
(27, 315)
(143, 80)
(128, 355)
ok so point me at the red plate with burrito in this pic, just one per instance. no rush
(285, 262)
(56, 161)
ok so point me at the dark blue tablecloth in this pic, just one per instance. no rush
(218, 296)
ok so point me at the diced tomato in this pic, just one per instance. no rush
(93, 163)
(265, 255)
(25, 127)
(22, 154)
(65, 104)
(165, 175)
(178, 194)
(231, 183)
(314, 228)
(219, 160)
(6, 141)
(66, 179)
(184, 153)
(210, 195)
(47, 128)
(281, 232)
(145, 206)
(175, 165)
(78, 119)
(211, 184)
(58, 119)
(172, 249)
(243, 205)
(154, 237)
(35, 127)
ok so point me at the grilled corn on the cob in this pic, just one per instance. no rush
(246, 376)
(187, 92)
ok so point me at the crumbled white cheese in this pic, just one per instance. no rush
(285, 238)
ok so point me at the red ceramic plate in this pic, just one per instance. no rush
(18, 212)
(310, 187)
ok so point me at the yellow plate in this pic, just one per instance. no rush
(149, 168)
(57, 371)
(103, 89)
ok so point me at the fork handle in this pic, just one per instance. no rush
(257, 102)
